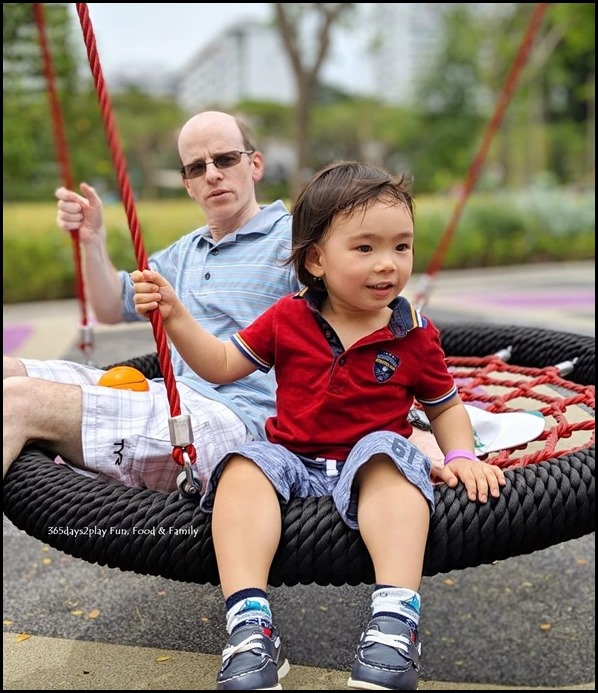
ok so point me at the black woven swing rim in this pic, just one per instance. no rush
(165, 535)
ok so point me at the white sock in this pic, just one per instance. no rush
(396, 600)
(250, 609)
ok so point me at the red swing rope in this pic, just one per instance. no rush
(127, 197)
(62, 153)
(423, 293)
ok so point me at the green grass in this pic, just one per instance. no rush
(161, 221)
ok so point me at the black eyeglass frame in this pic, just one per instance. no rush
(187, 169)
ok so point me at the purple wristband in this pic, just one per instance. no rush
(453, 454)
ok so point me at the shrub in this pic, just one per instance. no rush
(536, 225)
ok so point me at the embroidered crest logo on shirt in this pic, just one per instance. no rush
(385, 365)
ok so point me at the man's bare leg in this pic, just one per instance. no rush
(37, 410)
(12, 366)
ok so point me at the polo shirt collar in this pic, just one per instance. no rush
(260, 223)
(404, 316)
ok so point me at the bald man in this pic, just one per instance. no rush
(227, 272)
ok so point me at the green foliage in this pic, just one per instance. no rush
(573, 65)
(30, 168)
(146, 125)
(28, 272)
(538, 225)
(149, 125)
(38, 257)
(548, 122)
(267, 119)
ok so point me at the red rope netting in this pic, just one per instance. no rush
(497, 386)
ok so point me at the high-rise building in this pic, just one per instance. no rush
(404, 42)
(245, 62)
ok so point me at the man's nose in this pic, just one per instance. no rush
(211, 170)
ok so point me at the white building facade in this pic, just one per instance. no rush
(246, 62)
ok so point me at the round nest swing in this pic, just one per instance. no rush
(548, 498)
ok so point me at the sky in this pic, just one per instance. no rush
(134, 37)
(131, 36)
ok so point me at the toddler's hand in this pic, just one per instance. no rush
(479, 478)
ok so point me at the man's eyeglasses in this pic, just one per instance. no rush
(225, 160)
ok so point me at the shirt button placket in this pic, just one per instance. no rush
(215, 251)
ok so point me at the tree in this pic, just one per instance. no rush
(294, 21)
(148, 125)
(548, 127)
(29, 154)
(449, 101)
(569, 83)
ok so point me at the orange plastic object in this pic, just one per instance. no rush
(124, 378)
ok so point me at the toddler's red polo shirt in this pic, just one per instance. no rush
(328, 398)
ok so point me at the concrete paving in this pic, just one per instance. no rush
(524, 623)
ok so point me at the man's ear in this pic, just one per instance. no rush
(312, 261)
(257, 160)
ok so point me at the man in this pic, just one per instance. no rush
(226, 273)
